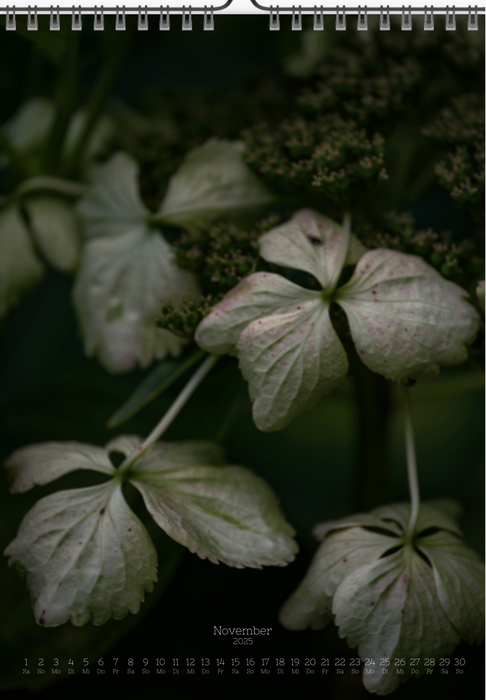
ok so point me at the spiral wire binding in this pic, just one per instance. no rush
(318, 20)
(362, 20)
(32, 24)
(142, 24)
(164, 24)
(472, 22)
(274, 20)
(76, 22)
(406, 20)
(54, 22)
(341, 21)
(296, 19)
(385, 19)
(208, 20)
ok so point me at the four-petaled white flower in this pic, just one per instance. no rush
(404, 318)
(127, 267)
(86, 555)
(400, 597)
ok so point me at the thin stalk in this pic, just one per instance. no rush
(66, 102)
(67, 188)
(171, 414)
(411, 463)
(98, 97)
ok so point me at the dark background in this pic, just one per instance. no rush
(50, 391)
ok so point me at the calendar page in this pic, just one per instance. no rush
(242, 352)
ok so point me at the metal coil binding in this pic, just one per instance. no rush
(406, 19)
(208, 20)
(76, 22)
(472, 21)
(362, 20)
(385, 19)
(186, 20)
(429, 19)
(142, 24)
(296, 19)
(164, 23)
(32, 20)
(450, 19)
(341, 21)
(274, 20)
(98, 23)
(120, 23)
(54, 23)
(10, 21)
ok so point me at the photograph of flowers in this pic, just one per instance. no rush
(242, 358)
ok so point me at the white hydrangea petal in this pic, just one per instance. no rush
(85, 555)
(459, 580)
(125, 444)
(212, 180)
(256, 296)
(341, 552)
(112, 205)
(56, 230)
(405, 319)
(290, 361)
(390, 522)
(225, 514)
(313, 243)
(29, 126)
(126, 272)
(390, 609)
(20, 268)
(166, 456)
(44, 462)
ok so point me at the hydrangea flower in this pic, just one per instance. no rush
(127, 267)
(404, 318)
(37, 220)
(398, 596)
(86, 555)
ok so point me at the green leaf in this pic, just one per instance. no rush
(158, 381)
(85, 555)
(212, 180)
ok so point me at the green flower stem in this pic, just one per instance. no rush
(65, 105)
(57, 185)
(411, 463)
(171, 414)
(373, 405)
(99, 95)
